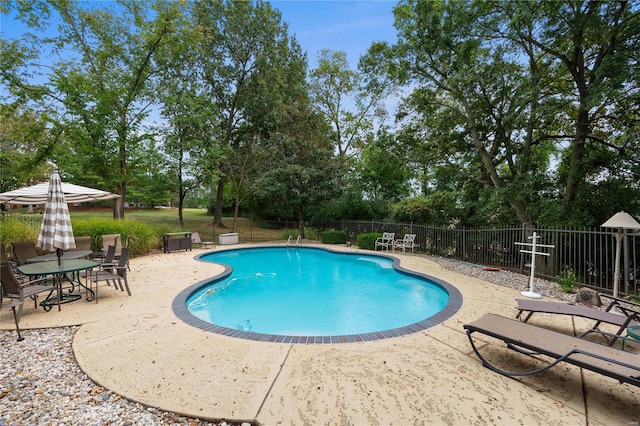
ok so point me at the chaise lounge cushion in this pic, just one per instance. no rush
(630, 316)
(611, 362)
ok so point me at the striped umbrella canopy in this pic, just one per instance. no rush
(37, 194)
(56, 232)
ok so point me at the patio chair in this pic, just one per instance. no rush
(13, 289)
(112, 240)
(386, 241)
(629, 314)
(24, 250)
(106, 263)
(12, 305)
(530, 340)
(82, 243)
(197, 241)
(409, 241)
(116, 274)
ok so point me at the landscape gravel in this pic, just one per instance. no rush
(41, 383)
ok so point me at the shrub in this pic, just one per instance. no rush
(368, 241)
(140, 236)
(567, 280)
(334, 237)
(13, 229)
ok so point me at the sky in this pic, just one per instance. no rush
(350, 25)
(347, 25)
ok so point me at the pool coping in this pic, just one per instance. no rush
(179, 307)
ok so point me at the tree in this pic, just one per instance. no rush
(21, 136)
(103, 85)
(468, 97)
(300, 172)
(595, 44)
(188, 134)
(347, 100)
(492, 98)
(383, 170)
(240, 57)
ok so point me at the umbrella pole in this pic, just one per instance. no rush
(616, 269)
(59, 254)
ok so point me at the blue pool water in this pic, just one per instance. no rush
(313, 292)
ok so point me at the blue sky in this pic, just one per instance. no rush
(350, 26)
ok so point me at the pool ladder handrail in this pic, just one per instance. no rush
(297, 241)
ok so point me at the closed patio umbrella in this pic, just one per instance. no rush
(56, 232)
(621, 221)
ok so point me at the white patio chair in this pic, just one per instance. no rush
(385, 242)
(409, 241)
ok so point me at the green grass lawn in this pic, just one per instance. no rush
(195, 220)
(97, 221)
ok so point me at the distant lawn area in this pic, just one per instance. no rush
(165, 220)
(195, 220)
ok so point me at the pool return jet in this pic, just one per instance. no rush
(533, 245)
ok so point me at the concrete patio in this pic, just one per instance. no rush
(136, 347)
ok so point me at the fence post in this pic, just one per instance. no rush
(464, 243)
(626, 262)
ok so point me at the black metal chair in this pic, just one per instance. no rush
(113, 273)
(23, 250)
(13, 289)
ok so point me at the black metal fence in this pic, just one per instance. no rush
(589, 253)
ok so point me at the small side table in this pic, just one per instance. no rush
(633, 331)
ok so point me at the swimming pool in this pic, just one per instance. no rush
(313, 295)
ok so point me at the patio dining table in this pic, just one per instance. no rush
(67, 255)
(59, 271)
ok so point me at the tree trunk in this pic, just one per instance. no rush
(301, 225)
(575, 173)
(236, 212)
(217, 214)
(118, 203)
(489, 167)
(180, 208)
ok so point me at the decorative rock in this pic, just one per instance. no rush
(588, 296)
(41, 369)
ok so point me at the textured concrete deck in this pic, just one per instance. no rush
(136, 347)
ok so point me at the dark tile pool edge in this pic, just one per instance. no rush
(179, 307)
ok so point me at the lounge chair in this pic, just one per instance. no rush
(13, 289)
(409, 241)
(386, 241)
(531, 340)
(116, 274)
(23, 251)
(197, 241)
(629, 313)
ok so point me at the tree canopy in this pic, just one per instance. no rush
(512, 112)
